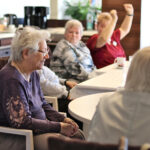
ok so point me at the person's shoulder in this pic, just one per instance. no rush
(10, 74)
(61, 45)
(92, 41)
(62, 42)
(47, 70)
(93, 37)
(82, 44)
(117, 32)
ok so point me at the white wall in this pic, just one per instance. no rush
(58, 7)
(17, 6)
(145, 24)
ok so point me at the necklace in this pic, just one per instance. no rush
(24, 75)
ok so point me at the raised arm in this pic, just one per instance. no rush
(127, 22)
(107, 30)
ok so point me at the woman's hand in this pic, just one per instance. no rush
(71, 122)
(68, 127)
(71, 84)
(129, 9)
(114, 15)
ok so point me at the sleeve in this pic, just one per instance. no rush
(116, 35)
(62, 81)
(18, 113)
(50, 83)
(91, 43)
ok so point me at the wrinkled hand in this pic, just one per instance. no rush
(71, 122)
(114, 15)
(71, 84)
(67, 129)
(129, 8)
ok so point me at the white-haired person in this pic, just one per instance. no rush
(21, 99)
(126, 111)
(52, 85)
(105, 46)
(71, 57)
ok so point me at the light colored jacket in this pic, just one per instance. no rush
(51, 84)
(72, 62)
(124, 113)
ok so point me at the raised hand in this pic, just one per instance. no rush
(114, 15)
(129, 8)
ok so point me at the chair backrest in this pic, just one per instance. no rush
(22, 132)
(57, 143)
(53, 101)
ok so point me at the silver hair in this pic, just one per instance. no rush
(26, 38)
(138, 77)
(73, 23)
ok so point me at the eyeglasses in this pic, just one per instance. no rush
(44, 53)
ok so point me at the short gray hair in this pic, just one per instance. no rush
(73, 23)
(26, 38)
(138, 77)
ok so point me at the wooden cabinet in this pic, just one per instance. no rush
(131, 43)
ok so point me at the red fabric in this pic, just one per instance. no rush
(106, 55)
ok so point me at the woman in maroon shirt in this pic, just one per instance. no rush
(105, 46)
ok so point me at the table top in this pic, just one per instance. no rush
(58, 33)
(110, 79)
(6, 35)
(60, 30)
(83, 108)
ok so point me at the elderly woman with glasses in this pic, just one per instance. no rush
(21, 100)
(71, 57)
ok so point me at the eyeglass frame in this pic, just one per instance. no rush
(44, 53)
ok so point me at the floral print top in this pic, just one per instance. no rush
(22, 104)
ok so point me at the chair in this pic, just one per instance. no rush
(65, 143)
(27, 133)
(53, 101)
(59, 143)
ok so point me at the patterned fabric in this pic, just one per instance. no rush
(106, 55)
(22, 104)
(72, 62)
